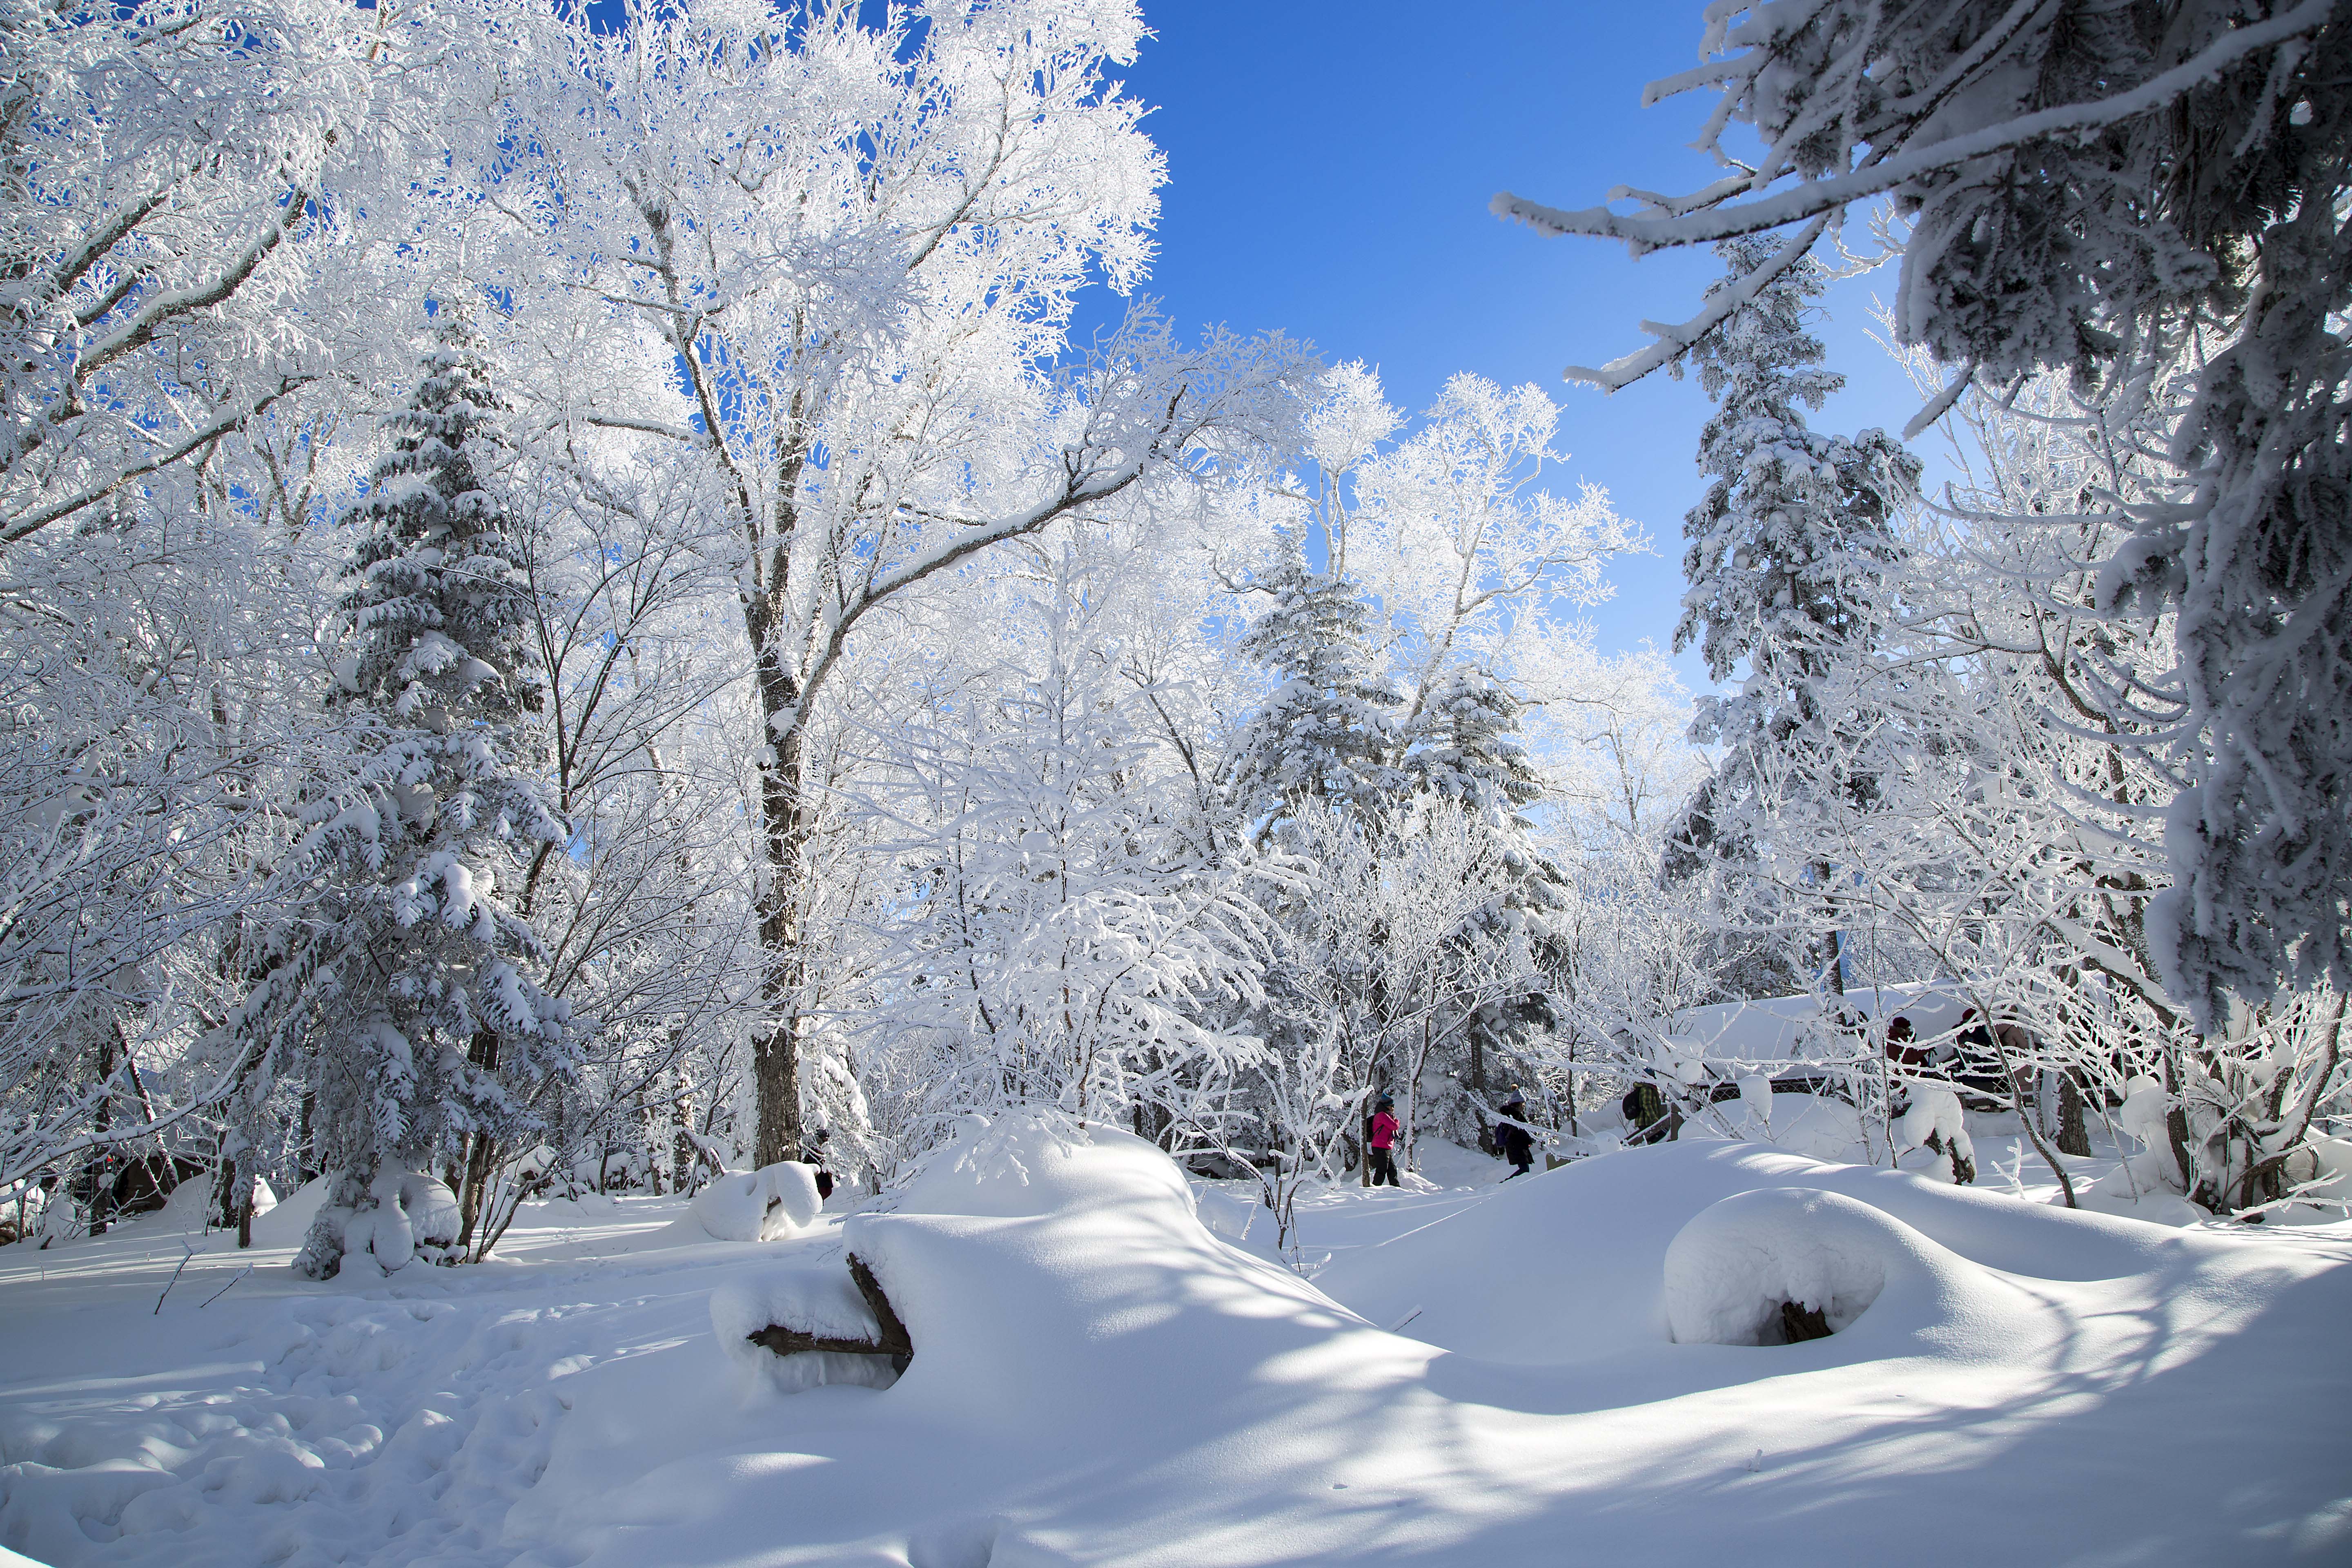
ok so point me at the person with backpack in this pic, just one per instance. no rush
(1379, 1137)
(1518, 1145)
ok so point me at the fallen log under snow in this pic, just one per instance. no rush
(800, 1328)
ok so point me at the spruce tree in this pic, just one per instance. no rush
(1464, 746)
(408, 972)
(1324, 732)
(1789, 555)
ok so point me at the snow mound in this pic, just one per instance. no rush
(414, 1219)
(1584, 1247)
(766, 1205)
(824, 1301)
(287, 1221)
(1733, 1268)
(1819, 1127)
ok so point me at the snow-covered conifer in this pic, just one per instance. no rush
(1464, 745)
(1788, 564)
(1324, 732)
(405, 968)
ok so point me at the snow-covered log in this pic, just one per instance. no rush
(800, 1327)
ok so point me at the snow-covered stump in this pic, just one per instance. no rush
(800, 1328)
(1785, 1264)
(766, 1205)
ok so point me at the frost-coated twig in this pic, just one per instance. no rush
(223, 1289)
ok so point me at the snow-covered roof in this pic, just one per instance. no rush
(1778, 1028)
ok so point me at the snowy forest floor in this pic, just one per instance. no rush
(1098, 1379)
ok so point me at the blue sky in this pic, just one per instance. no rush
(1329, 168)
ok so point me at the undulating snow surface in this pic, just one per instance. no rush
(1099, 1377)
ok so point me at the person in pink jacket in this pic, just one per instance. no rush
(1381, 1135)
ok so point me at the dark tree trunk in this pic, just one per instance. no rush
(682, 1155)
(775, 1048)
(305, 1162)
(102, 1196)
(2073, 1138)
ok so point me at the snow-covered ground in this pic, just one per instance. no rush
(1097, 1377)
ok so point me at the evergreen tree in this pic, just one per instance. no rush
(1789, 554)
(406, 971)
(1464, 746)
(1323, 733)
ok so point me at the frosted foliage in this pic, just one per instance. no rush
(2106, 189)
(170, 218)
(1456, 542)
(1350, 418)
(1072, 940)
(1324, 732)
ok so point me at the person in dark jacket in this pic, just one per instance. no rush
(815, 1154)
(1380, 1135)
(1518, 1145)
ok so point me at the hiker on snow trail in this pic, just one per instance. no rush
(1517, 1144)
(1384, 1141)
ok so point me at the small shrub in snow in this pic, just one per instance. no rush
(1934, 1122)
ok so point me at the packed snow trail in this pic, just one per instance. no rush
(1099, 1380)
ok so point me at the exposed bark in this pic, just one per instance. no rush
(895, 1338)
(892, 1340)
(2073, 1138)
(1798, 1324)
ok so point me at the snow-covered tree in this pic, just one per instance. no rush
(2084, 187)
(1790, 558)
(403, 973)
(850, 314)
(1059, 940)
(1324, 731)
(1464, 746)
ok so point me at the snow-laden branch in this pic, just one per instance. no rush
(1881, 173)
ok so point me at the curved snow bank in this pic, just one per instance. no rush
(1057, 1283)
(765, 1205)
(1549, 1234)
(1819, 1127)
(1731, 1270)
